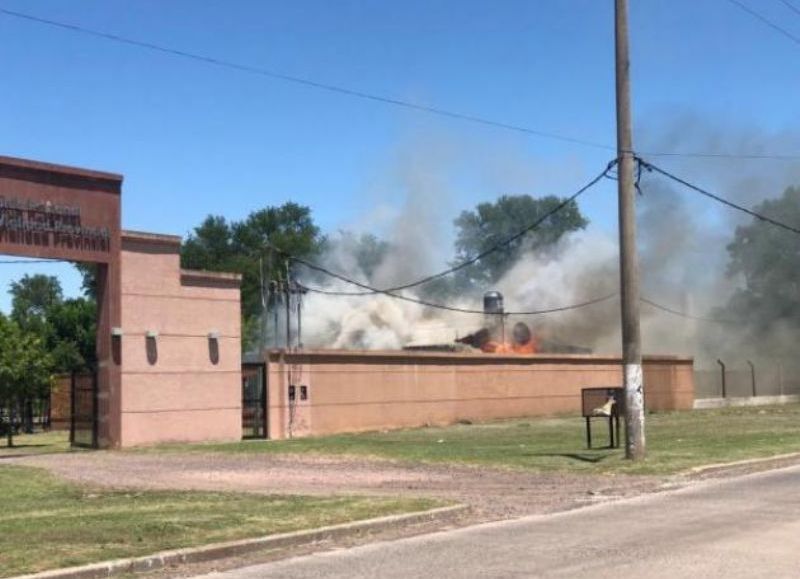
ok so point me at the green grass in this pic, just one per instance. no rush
(39, 443)
(676, 441)
(47, 523)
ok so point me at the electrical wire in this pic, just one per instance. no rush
(496, 247)
(26, 261)
(437, 306)
(304, 81)
(538, 312)
(766, 21)
(731, 204)
(683, 315)
(791, 6)
(442, 112)
(739, 156)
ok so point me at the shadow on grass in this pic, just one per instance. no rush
(594, 459)
(20, 455)
(28, 445)
(6, 454)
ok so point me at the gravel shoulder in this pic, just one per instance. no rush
(491, 493)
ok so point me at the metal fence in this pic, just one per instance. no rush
(254, 401)
(746, 378)
(84, 411)
(28, 415)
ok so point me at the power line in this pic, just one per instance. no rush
(518, 313)
(742, 156)
(684, 315)
(373, 291)
(759, 216)
(25, 261)
(211, 60)
(766, 21)
(497, 246)
(791, 6)
(304, 81)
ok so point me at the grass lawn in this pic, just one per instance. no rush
(676, 441)
(39, 443)
(47, 523)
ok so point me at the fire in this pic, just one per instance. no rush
(523, 341)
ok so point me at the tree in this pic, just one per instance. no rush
(490, 223)
(88, 273)
(209, 247)
(67, 328)
(25, 369)
(245, 247)
(32, 296)
(72, 338)
(767, 259)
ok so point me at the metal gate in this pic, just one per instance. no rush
(254, 401)
(83, 422)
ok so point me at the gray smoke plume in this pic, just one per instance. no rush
(682, 243)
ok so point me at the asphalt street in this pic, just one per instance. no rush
(743, 527)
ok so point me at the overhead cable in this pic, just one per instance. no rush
(731, 204)
(524, 313)
(738, 156)
(374, 291)
(499, 245)
(766, 21)
(304, 81)
(26, 261)
(684, 315)
(364, 95)
(791, 6)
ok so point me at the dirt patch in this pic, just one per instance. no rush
(492, 493)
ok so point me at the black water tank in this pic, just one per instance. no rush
(493, 302)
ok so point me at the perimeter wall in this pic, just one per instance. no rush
(345, 391)
(179, 347)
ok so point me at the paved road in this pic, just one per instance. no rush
(744, 527)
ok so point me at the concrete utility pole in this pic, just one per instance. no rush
(629, 264)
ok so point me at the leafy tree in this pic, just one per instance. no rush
(72, 337)
(209, 247)
(88, 273)
(32, 296)
(768, 260)
(65, 327)
(245, 247)
(490, 223)
(25, 369)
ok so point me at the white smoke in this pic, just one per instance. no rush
(682, 245)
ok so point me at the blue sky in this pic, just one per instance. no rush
(193, 139)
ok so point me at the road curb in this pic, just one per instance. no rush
(235, 548)
(777, 461)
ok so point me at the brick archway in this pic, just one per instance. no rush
(56, 212)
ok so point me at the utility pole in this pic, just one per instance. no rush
(299, 317)
(633, 381)
(264, 306)
(288, 295)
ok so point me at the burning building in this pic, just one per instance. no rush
(492, 337)
(487, 374)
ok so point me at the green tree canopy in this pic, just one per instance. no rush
(72, 336)
(66, 328)
(32, 296)
(25, 368)
(491, 223)
(244, 247)
(768, 260)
